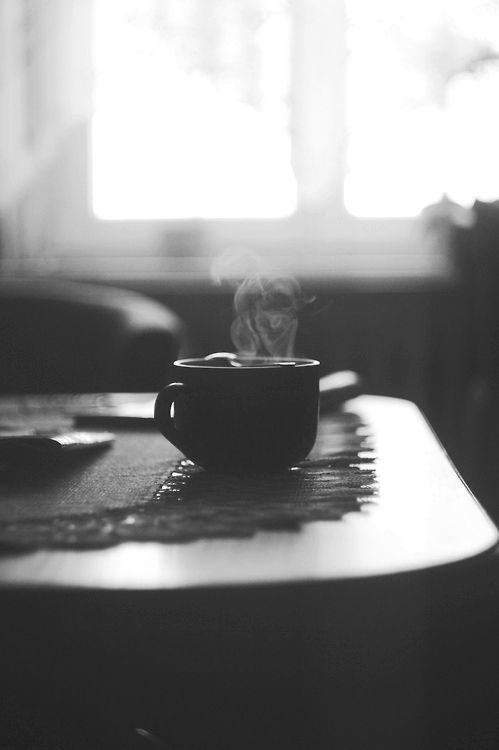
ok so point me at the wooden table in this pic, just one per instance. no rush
(424, 516)
(279, 640)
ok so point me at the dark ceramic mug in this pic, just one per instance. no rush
(259, 417)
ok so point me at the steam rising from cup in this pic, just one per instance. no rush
(266, 316)
(266, 305)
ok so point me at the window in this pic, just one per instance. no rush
(192, 110)
(423, 110)
(315, 130)
(221, 119)
(198, 106)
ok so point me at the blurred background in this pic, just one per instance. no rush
(350, 144)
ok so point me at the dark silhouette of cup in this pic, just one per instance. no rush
(245, 418)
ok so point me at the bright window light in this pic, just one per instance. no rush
(253, 109)
(191, 110)
(422, 104)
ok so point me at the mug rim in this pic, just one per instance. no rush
(199, 363)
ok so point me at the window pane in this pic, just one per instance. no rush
(422, 104)
(191, 109)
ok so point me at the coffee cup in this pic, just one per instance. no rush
(241, 415)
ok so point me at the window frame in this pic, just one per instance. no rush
(320, 237)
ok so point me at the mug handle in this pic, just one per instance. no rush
(162, 412)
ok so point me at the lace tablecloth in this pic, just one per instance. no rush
(132, 493)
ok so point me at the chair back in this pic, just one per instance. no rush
(65, 337)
